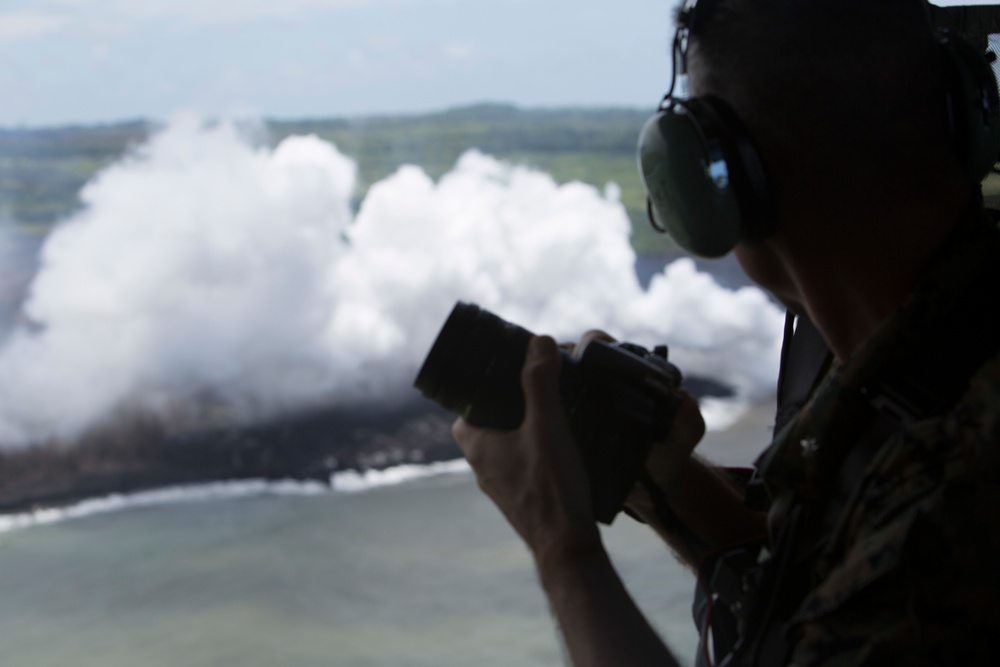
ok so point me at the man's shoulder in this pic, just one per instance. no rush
(911, 568)
(960, 448)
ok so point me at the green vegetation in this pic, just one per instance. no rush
(42, 171)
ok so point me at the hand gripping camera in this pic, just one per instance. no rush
(619, 397)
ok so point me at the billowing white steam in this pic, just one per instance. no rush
(205, 270)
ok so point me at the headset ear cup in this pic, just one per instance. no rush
(699, 212)
(746, 170)
(973, 106)
(706, 186)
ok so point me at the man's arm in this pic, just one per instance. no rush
(536, 477)
(708, 509)
(600, 622)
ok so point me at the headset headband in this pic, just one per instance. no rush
(691, 19)
(697, 14)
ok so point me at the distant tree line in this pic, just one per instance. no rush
(42, 170)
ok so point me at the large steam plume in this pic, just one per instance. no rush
(203, 270)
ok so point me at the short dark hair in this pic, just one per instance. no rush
(843, 95)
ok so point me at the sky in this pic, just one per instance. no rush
(88, 61)
(91, 61)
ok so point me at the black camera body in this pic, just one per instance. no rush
(619, 398)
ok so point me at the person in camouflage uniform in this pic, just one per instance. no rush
(896, 547)
(876, 540)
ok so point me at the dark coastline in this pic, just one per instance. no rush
(137, 453)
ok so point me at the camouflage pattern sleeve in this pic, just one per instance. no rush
(912, 573)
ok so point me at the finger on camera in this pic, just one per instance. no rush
(667, 455)
(576, 349)
(689, 417)
(540, 378)
(465, 435)
(475, 442)
(462, 430)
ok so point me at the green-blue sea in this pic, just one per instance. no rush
(379, 572)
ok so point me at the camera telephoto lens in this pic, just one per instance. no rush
(474, 368)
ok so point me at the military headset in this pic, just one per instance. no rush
(706, 185)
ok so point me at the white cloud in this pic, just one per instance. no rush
(229, 11)
(18, 26)
(456, 51)
(52, 15)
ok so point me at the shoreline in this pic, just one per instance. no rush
(344, 482)
(738, 443)
(138, 454)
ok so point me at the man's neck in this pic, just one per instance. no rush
(848, 283)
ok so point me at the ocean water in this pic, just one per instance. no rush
(396, 570)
